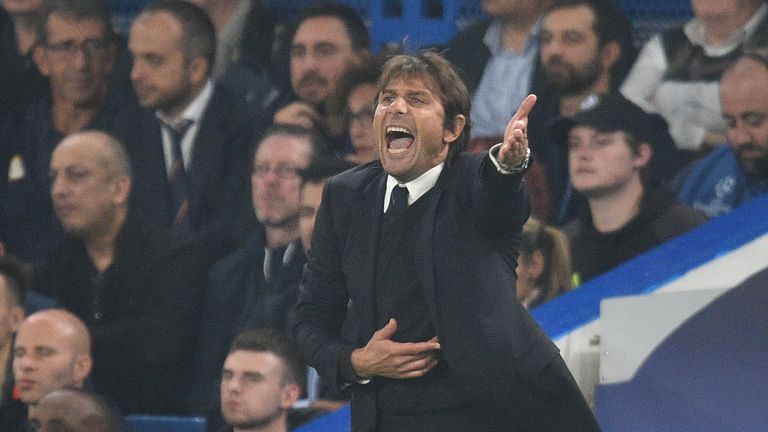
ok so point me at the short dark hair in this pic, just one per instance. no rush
(17, 279)
(278, 343)
(323, 168)
(198, 37)
(319, 146)
(611, 25)
(78, 10)
(432, 67)
(356, 29)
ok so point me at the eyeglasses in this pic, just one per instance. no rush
(68, 49)
(282, 171)
(366, 115)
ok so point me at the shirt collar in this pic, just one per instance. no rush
(194, 111)
(694, 31)
(416, 187)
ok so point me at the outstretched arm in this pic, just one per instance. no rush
(515, 145)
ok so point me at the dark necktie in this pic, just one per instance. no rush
(178, 179)
(399, 199)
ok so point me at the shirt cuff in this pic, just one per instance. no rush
(493, 154)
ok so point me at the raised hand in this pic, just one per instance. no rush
(515, 145)
(383, 357)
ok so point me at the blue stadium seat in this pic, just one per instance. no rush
(414, 23)
(148, 423)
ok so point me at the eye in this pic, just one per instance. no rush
(754, 120)
(326, 50)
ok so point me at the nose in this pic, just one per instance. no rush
(137, 70)
(58, 187)
(79, 58)
(398, 106)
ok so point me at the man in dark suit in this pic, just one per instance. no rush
(422, 247)
(191, 153)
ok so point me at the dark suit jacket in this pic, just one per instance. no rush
(148, 314)
(465, 258)
(237, 299)
(218, 174)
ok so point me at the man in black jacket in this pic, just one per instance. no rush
(137, 289)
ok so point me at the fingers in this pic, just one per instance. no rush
(525, 107)
(416, 366)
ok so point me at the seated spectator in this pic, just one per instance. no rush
(74, 410)
(257, 285)
(677, 72)
(544, 266)
(350, 108)
(190, 146)
(488, 53)
(585, 50)
(628, 212)
(13, 287)
(261, 380)
(736, 173)
(328, 38)
(75, 51)
(138, 290)
(52, 350)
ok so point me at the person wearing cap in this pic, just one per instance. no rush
(610, 146)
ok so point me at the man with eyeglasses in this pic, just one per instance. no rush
(257, 285)
(75, 52)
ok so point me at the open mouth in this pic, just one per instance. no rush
(398, 139)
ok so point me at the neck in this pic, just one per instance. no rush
(26, 34)
(276, 426)
(515, 31)
(221, 12)
(278, 236)
(612, 210)
(101, 245)
(570, 104)
(720, 29)
(175, 111)
(68, 117)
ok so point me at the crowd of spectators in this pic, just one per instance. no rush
(160, 187)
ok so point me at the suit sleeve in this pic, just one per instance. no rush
(323, 298)
(497, 203)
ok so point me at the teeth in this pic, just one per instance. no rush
(396, 151)
(397, 129)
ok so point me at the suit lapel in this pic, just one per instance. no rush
(363, 245)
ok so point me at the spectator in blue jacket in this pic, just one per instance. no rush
(738, 172)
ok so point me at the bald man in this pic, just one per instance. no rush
(74, 410)
(52, 350)
(733, 174)
(137, 289)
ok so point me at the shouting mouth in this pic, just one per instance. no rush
(398, 139)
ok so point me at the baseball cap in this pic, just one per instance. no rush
(612, 113)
